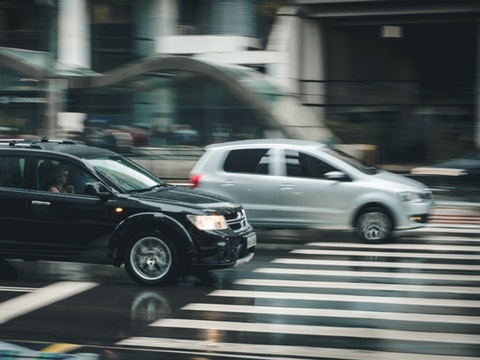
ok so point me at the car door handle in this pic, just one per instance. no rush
(286, 186)
(43, 203)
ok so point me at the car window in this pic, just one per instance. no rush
(61, 176)
(12, 171)
(299, 164)
(250, 161)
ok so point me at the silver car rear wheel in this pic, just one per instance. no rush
(374, 225)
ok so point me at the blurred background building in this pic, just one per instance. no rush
(401, 75)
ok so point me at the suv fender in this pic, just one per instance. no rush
(144, 221)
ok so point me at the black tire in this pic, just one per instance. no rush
(151, 258)
(374, 225)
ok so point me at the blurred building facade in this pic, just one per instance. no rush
(402, 75)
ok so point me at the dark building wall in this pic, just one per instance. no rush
(413, 94)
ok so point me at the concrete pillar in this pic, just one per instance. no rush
(73, 35)
(155, 19)
(284, 42)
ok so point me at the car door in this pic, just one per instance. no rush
(246, 176)
(68, 225)
(308, 197)
(13, 199)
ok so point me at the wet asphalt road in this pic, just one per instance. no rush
(306, 295)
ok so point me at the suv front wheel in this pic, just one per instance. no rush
(374, 225)
(151, 258)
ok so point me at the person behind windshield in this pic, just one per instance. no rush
(59, 183)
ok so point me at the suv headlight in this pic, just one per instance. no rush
(411, 196)
(208, 222)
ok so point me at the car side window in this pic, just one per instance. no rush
(12, 171)
(299, 164)
(61, 177)
(249, 161)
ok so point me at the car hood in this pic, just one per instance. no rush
(395, 180)
(177, 195)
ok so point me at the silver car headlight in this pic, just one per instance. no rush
(208, 222)
(410, 196)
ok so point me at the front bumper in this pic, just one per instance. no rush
(247, 258)
(414, 215)
(223, 250)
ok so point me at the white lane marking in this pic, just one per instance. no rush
(362, 274)
(429, 247)
(336, 313)
(452, 238)
(451, 228)
(17, 289)
(47, 295)
(268, 352)
(412, 301)
(387, 254)
(361, 263)
(315, 330)
(359, 286)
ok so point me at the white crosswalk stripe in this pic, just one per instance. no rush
(424, 304)
(379, 264)
(384, 315)
(362, 286)
(276, 352)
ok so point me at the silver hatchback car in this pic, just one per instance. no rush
(300, 184)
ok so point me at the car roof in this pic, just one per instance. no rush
(68, 147)
(278, 143)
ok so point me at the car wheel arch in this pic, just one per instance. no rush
(374, 223)
(148, 221)
(374, 204)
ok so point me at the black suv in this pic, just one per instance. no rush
(71, 202)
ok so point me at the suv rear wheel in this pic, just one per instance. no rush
(151, 258)
(374, 225)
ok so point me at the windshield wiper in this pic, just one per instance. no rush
(154, 187)
(151, 188)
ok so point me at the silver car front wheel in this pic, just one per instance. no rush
(374, 225)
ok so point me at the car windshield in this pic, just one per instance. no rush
(357, 164)
(125, 174)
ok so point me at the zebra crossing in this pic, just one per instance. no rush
(417, 299)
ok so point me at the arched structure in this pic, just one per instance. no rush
(230, 78)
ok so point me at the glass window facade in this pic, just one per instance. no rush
(22, 102)
(112, 33)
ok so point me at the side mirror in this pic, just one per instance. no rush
(337, 176)
(96, 189)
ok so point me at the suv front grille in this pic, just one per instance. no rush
(237, 221)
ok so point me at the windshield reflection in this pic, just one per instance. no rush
(125, 174)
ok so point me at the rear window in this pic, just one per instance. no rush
(248, 161)
(12, 171)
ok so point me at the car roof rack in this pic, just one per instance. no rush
(45, 139)
(35, 143)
